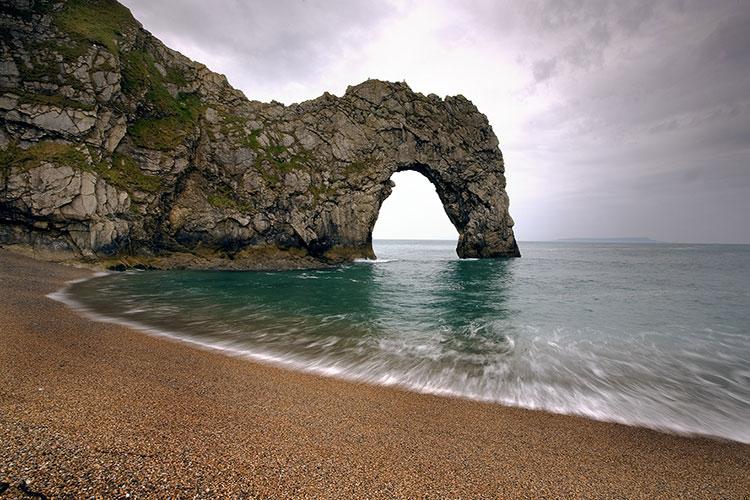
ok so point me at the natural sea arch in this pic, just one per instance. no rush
(472, 194)
(377, 129)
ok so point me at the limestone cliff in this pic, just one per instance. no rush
(113, 145)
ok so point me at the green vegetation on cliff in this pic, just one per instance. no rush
(125, 174)
(167, 132)
(276, 160)
(224, 197)
(99, 21)
(54, 152)
(167, 120)
(142, 78)
(52, 100)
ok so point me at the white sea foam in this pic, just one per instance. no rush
(536, 395)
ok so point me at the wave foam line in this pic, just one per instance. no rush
(349, 373)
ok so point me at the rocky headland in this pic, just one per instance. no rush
(118, 150)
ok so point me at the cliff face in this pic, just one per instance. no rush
(113, 145)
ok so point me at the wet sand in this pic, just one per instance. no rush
(91, 408)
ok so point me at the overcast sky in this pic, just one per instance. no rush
(616, 118)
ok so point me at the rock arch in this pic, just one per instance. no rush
(153, 159)
(448, 141)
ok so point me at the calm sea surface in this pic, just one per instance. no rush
(650, 335)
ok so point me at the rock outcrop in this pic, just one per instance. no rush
(113, 145)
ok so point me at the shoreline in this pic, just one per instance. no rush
(295, 365)
(97, 408)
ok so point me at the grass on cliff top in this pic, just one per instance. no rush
(98, 21)
(141, 77)
(165, 119)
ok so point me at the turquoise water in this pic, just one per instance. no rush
(650, 335)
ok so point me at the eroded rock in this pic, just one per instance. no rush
(125, 146)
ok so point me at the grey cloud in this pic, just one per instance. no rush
(281, 40)
(671, 82)
(575, 33)
(729, 43)
(664, 116)
(560, 15)
(544, 69)
(631, 15)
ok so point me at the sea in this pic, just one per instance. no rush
(651, 335)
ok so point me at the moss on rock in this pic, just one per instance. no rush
(53, 100)
(224, 197)
(167, 132)
(54, 152)
(125, 174)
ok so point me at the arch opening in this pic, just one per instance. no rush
(413, 211)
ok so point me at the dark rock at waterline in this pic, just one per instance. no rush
(113, 145)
